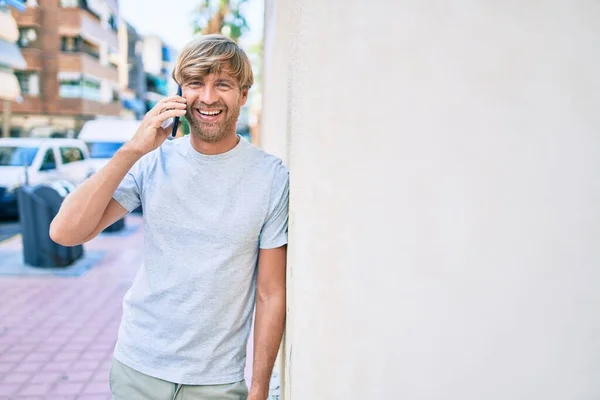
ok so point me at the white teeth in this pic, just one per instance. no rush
(210, 113)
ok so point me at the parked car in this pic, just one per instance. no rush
(33, 161)
(104, 136)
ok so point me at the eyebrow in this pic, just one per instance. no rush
(225, 80)
(228, 80)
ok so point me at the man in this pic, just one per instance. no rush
(215, 216)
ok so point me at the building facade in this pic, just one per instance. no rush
(444, 182)
(11, 61)
(133, 79)
(159, 61)
(71, 48)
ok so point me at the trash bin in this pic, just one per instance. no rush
(38, 205)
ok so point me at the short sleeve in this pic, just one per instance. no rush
(274, 232)
(128, 193)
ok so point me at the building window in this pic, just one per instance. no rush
(70, 87)
(27, 37)
(91, 89)
(70, 44)
(112, 23)
(83, 4)
(91, 49)
(78, 86)
(167, 54)
(92, 7)
(75, 44)
(29, 82)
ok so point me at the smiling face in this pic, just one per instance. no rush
(214, 103)
(215, 75)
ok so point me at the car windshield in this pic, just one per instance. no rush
(103, 149)
(14, 156)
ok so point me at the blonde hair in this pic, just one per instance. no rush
(212, 54)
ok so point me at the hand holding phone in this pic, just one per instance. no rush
(154, 128)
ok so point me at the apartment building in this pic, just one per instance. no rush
(159, 60)
(11, 59)
(133, 76)
(71, 48)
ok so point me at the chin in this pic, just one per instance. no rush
(210, 137)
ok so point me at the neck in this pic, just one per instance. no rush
(210, 148)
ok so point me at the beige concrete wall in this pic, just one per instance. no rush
(445, 176)
(276, 70)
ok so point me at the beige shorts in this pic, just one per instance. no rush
(129, 384)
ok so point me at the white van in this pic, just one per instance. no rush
(33, 161)
(104, 136)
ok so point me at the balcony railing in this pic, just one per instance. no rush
(86, 48)
(83, 4)
(78, 45)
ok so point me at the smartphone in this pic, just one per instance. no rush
(176, 119)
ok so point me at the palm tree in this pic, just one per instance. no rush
(220, 16)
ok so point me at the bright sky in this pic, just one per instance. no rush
(171, 20)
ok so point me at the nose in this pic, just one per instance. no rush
(209, 95)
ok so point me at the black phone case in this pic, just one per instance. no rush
(176, 119)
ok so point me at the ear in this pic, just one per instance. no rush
(244, 96)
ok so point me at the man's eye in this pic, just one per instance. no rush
(224, 85)
(195, 83)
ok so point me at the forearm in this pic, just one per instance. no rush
(82, 209)
(268, 331)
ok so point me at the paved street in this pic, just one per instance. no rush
(57, 333)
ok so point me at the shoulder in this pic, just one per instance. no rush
(170, 148)
(266, 162)
(152, 161)
(269, 168)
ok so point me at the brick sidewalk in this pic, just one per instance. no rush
(57, 334)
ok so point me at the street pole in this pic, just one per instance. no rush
(6, 115)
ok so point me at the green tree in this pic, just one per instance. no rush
(220, 16)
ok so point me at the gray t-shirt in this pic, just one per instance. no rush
(187, 316)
